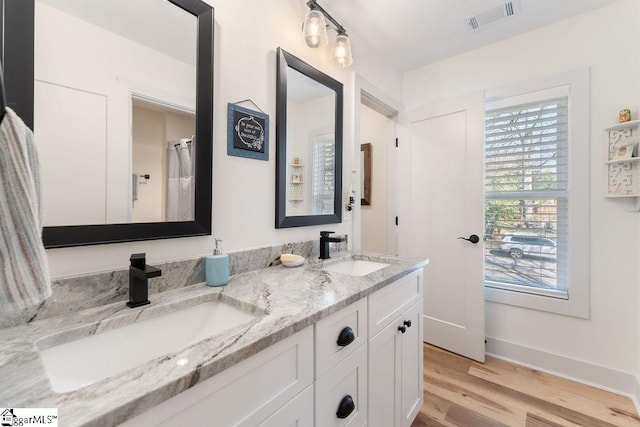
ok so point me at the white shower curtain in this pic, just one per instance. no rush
(180, 187)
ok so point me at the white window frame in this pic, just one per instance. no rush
(577, 304)
(316, 197)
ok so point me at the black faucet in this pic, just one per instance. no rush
(139, 275)
(324, 243)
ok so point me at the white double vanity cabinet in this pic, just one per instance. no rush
(373, 378)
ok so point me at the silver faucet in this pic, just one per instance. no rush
(139, 275)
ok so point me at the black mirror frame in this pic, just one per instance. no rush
(286, 60)
(18, 60)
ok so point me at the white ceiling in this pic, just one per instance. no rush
(412, 33)
(408, 33)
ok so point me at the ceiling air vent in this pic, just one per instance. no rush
(492, 15)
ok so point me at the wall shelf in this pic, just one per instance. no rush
(296, 179)
(631, 160)
(623, 125)
(622, 173)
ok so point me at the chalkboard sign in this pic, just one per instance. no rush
(247, 133)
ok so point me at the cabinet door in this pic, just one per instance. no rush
(411, 362)
(384, 377)
(297, 413)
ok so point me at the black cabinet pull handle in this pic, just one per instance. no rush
(346, 407)
(407, 323)
(346, 337)
(402, 329)
(473, 239)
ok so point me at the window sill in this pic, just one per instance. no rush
(574, 306)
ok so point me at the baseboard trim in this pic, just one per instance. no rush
(636, 395)
(601, 377)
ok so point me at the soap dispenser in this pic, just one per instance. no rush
(217, 267)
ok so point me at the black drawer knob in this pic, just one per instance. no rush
(346, 337)
(407, 323)
(346, 407)
(402, 329)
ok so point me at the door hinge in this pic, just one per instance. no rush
(396, 142)
(396, 220)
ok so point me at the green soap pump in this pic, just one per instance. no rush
(217, 267)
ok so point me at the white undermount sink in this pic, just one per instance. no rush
(355, 267)
(78, 363)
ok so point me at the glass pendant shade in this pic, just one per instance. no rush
(314, 29)
(341, 52)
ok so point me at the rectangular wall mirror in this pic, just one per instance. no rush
(119, 95)
(309, 106)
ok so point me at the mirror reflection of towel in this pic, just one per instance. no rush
(180, 190)
(134, 187)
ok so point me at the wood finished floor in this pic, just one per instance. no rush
(461, 392)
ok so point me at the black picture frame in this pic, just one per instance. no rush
(366, 154)
(17, 53)
(255, 145)
(286, 60)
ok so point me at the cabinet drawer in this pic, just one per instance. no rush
(348, 378)
(389, 302)
(246, 393)
(328, 352)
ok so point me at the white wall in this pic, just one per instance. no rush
(247, 33)
(604, 41)
(375, 131)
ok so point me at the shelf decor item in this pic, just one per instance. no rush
(623, 150)
(624, 115)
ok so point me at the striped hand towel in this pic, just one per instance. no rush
(24, 270)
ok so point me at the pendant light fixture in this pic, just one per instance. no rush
(341, 51)
(314, 31)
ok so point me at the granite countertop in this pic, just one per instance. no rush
(285, 301)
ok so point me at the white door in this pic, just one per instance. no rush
(444, 201)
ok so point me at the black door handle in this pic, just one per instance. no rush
(346, 337)
(473, 238)
(346, 407)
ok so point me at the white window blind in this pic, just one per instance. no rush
(324, 167)
(526, 197)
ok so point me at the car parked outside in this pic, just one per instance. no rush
(520, 245)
